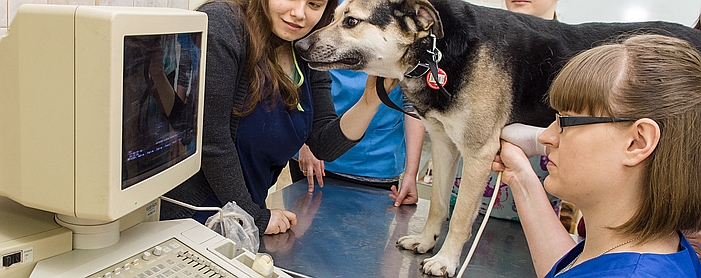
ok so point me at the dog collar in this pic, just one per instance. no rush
(419, 70)
(421, 67)
(438, 77)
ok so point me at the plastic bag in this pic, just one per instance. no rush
(238, 225)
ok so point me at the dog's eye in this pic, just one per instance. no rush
(350, 22)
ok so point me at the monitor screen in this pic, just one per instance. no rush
(102, 106)
(159, 118)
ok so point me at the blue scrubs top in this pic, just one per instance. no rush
(382, 152)
(268, 137)
(684, 263)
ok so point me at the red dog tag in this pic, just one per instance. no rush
(442, 78)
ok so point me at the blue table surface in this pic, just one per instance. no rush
(349, 230)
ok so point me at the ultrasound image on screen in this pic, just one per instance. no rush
(160, 89)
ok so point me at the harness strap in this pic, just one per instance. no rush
(384, 97)
(434, 71)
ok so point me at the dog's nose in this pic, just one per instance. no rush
(303, 45)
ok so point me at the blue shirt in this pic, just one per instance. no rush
(382, 151)
(683, 263)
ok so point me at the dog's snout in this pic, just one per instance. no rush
(303, 45)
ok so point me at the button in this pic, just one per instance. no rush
(157, 250)
(136, 262)
(146, 256)
(117, 271)
(108, 275)
(127, 266)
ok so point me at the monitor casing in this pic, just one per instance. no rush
(61, 80)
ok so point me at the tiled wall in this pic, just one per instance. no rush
(8, 8)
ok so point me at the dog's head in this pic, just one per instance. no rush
(374, 36)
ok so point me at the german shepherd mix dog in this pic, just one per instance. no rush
(496, 67)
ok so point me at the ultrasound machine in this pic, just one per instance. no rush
(101, 113)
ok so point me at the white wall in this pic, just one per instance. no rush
(577, 11)
(681, 11)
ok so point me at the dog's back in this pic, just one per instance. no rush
(531, 49)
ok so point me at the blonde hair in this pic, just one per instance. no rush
(655, 77)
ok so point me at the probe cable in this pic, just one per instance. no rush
(487, 213)
(195, 208)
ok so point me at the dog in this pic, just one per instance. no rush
(496, 68)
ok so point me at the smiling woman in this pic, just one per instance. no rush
(262, 104)
(292, 20)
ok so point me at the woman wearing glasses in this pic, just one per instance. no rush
(624, 148)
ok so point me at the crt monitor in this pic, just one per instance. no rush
(101, 109)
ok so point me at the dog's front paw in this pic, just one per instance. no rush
(440, 266)
(420, 244)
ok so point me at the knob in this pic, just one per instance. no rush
(158, 250)
(117, 271)
(146, 256)
(108, 275)
(126, 266)
(136, 262)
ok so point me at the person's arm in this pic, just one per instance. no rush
(547, 240)
(164, 92)
(414, 132)
(356, 120)
(311, 167)
(226, 56)
(332, 135)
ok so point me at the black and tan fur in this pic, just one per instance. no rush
(499, 66)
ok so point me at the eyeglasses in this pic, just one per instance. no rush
(563, 121)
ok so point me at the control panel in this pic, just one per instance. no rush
(181, 248)
(168, 259)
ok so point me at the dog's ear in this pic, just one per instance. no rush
(427, 17)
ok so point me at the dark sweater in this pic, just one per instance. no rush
(226, 86)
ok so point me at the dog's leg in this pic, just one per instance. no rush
(476, 165)
(445, 156)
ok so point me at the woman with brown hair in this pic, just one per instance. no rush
(262, 104)
(623, 148)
